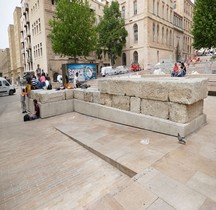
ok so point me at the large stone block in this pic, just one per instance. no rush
(103, 85)
(96, 97)
(153, 89)
(69, 94)
(180, 90)
(155, 108)
(85, 108)
(79, 94)
(121, 102)
(185, 113)
(188, 91)
(106, 99)
(132, 87)
(35, 94)
(55, 108)
(117, 87)
(135, 104)
(88, 96)
(47, 96)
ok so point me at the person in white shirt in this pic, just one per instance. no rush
(75, 81)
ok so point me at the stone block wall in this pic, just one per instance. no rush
(176, 99)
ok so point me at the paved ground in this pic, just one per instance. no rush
(42, 168)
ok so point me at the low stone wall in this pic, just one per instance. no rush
(211, 79)
(176, 99)
(166, 105)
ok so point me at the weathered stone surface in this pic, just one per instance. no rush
(132, 88)
(96, 97)
(35, 94)
(135, 104)
(185, 113)
(47, 96)
(180, 90)
(55, 108)
(188, 91)
(106, 99)
(69, 94)
(154, 90)
(88, 96)
(117, 87)
(103, 85)
(79, 94)
(121, 102)
(155, 108)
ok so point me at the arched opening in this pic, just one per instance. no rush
(135, 57)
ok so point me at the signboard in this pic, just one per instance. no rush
(86, 71)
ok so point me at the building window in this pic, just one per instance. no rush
(153, 37)
(170, 38)
(158, 30)
(124, 59)
(163, 11)
(162, 35)
(135, 29)
(153, 6)
(158, 7)
(167, 34)
(135, 7)
(135, 57)
(123, 12)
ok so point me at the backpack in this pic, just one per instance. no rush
(26, 117)
(49, 87)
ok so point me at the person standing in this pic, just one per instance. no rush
(38, 70)
(75, 81)
(23, 98)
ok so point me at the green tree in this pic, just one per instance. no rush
(111, 32)
(73, 29)
(204, 24)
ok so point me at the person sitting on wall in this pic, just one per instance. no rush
(183, 71)
(175, 70)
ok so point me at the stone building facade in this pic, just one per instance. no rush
(36, 42)
(14, 35)
(5, 66)
(154, 34)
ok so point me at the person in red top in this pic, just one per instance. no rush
(175, 70)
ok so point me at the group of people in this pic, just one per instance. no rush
(179, 71)
(42, 81)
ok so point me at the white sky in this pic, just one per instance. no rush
(7, 8)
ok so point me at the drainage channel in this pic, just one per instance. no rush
(114, 163)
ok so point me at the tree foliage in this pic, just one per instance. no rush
(204, 24)
(73, 30)
(111, 32)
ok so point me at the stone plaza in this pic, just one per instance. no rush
(74, 159)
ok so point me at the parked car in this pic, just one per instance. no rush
(107, 70)
(6, 88)
(135, 67)
(121, 69)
